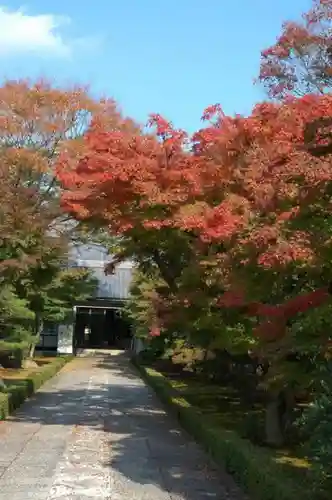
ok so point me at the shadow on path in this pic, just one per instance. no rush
(146, 448)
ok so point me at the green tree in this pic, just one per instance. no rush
(16, 327)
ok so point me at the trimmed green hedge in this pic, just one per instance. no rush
(253, 468)
(20, 389)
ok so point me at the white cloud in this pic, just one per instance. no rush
(22, 33)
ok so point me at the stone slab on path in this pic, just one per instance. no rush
(96, 431)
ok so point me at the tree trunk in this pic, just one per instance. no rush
(278, 417)
(2, 384)
(287, 407)
(206, 354)
(165, 271)
(38, 329)
(32, 349)
(274, 435)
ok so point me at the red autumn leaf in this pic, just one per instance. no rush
(299, 62)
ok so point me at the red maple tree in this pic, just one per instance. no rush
(299, 62)
(274, 169)
(247, 184)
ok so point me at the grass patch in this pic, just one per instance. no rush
(214, 416)
(222, 403)
(22, 383)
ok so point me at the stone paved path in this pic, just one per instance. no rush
(97, 432)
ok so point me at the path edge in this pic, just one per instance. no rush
(16, 395)
(252, 469)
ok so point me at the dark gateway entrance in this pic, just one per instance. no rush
(101, 324)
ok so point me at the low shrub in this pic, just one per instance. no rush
(12, 354)
(187, 356)
(147, 356)
(19, 389)
(315, 427)
(251, 466)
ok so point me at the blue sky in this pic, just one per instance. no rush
(174, 57)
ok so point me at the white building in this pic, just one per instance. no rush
(98, 322)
